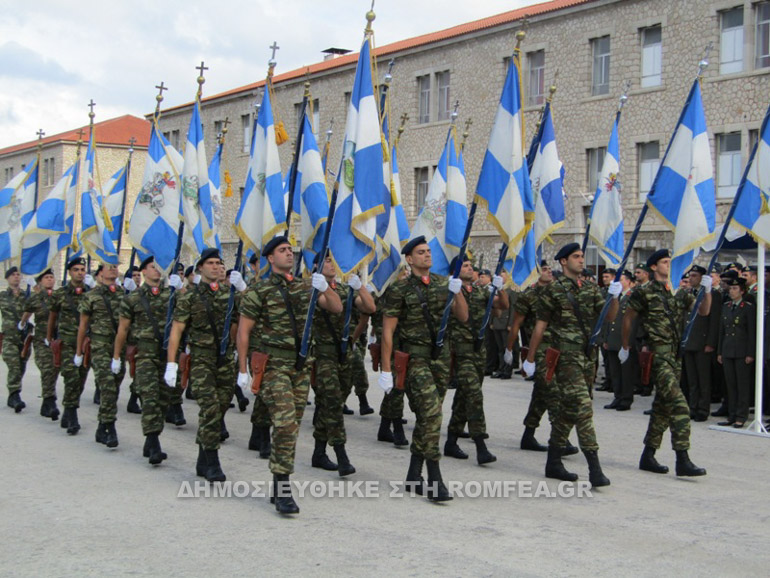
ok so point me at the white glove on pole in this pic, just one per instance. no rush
(115, 366)
(243, 381)
(615, 288)
(170, 375)
(129, 284)
(20, 326)
(319, 282)
(508, 357)
(78, 360)
(497, 282)
(706, 282)
(455, 285)
(529, 368)
(89, 281)
(385, 381)
(175, 281)
(355, 282)
(196, 279)
(623, 355)
(236, 280)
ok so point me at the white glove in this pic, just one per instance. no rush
(170, 375)
(236, 280)
(372, 339)
(129, 284)
(196, 279)
(115, 366)
(370, 288)
(706, 282)
(319, 282)
(508, 357)
(385, 381)
(118, 282)
(529, 368)
(78, 360)
(623, 355)
(615, 288)
(187, 349)
(355, 282)
(20, 326)
(47, 343)
(175, 281)
(243, 381)
(235, 355)
(497, 282)
(89, 281)
(455, 285)
(31, 281)
(353, 346)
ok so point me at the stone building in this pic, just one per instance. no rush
(589, 49)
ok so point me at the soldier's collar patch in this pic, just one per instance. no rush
(579, 284)
(667, 286)
(112, 288)
(742, 304)
(333, 284)
(50, 292)
(154, 290)
(289, 277)
(78, 290)
(425, 279)
(214, 286)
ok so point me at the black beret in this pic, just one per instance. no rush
(717, 268)
(735, 265)
(698, 269)
(486, 272)
(626, 273)
(43, 274)
(273, 243)
(729, 274)
(566, 251)
(453, 264)
(409, 247)
(210, 253)
(735, 282)
(227, 273)
(11, 271)
(544, 263)
(76, 261)
(685, 277)
(643, 267)
(750, 269)
(189, 271)
(587, 272)
(98, 269)
(611, 271)
(180, 266)
(146, 262)
(253, 259)
(657, 256)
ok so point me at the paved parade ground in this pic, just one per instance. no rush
(71, 507)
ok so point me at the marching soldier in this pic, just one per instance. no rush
(14, 334)
(572, 307)
(276, 308)
(662, 315)
(359, 379)
(621, 375)
(131, 280)
(64, 320)
(415, 306)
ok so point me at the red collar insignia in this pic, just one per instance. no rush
(78, 290)
(155, 290)
(214, 286)
(668, 288)
(579, 284)
(112, 288)
(333, 284)
(289, 277)
(425, 279)
(50, 292)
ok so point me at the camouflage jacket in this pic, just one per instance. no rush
(526, 305)
(38, 304)
(466, 333)
(555, 307)
(191, 310)
(662, 314)
(142, 327)
(11, 307)
(102, 323)
(402, 302)
(321, 333)
(65, 301)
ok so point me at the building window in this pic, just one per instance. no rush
(536, 87)
(423, 95)
(48, 172)
(8, 175)
(246, 129)
(649, 161)
(728, 164)
(217, 128)
(731, 45)
(348, 96)
(652, 56)
(763, 35)
(600, 48)
(444, 104)
(421, 186)
(174, 140)
(595, 161)
(753, 137)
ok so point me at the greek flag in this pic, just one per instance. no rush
(398, 208)
(605, 225)
(752, 213)
(154, 224)
(262, 213)
(360, 199)
(523, 268)
(546, 175)
(114, 199)
(195, 206)
(445, 215)
(95, 233)
(17, 204)
(214, 215)
(683, 191)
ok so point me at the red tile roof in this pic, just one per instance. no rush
(425, 39)
(116, 131)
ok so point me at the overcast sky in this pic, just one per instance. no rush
(55, 56)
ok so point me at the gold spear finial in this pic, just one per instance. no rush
(159, 97)
(370, 16)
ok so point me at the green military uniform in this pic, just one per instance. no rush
(392, 406)
(65, 302)
(102, 305)
(11, 307)
(38, 305)
(737, 341)
(359, 379)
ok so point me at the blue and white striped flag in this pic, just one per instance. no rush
(214, 216)
(95, 232)
(398, 208)
(445, 215)
(195, 205)
(546, 175)
(359, 198)
(17, 204)
(605, 226)
(683, 191)
(114, 199)
(154, 224)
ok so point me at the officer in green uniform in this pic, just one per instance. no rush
(132, 280)
(11, 307)
(662, 316)
(359, 379)
(64, 319)
(572, 307)
(415, 306)
(277, 308)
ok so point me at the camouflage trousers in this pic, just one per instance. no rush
(108, 382)
(571, 401)
(213, 387)
(468, 403)
(74, 377)
(669, 407)
(426, 385)
(331, 380)
(12, 345)
(48, 373)
(358, 379)
(151, 387)
(284, 392)
(392, 405)
(538, 402)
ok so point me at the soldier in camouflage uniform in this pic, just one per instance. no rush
(358, 378)
(572, 307)
(468, 403)
(99, 314)
(201, 307)
(662, 316)
(11, 307)
(428, 370)
(135, 277)
(37, 305)
(143, 314)
(64, 319)
(277, 308)
(333, 372)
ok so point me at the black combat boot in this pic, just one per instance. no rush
(595, 474)
(684, 467)
(243, 401)
(399, 439)
(435, 490)
(464, 435)
(65, 418)
(346, 410)
(214, 471)
(364, 407)
(345, 467)
(14, 402)
(178, 414)
(284, 502)
(101, 433)
(48, 406)
(200, 465)
(256, 437)
(483, 455)
(452, 450)
(264, 446)
(170, 416)
(97, 396)
(529, 442)
(133, 404)
(73, 426)
(146, 448)
(648, 463)
(112, 435)
(414, 480)
(223, 433)
(320, 459)
(157, 455)
(569, 450)
(54, 410)
(554, 468)
(384, 434)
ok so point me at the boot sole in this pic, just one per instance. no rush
(563, 478)
(661, 470)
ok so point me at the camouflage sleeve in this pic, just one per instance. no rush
(30, 305)
(127, 308)
(183, 308)
(86, 305)
(393, 301)
(55, 304)
(523, 303)
(599, 300)
(547, 305)
(251, 304)
(637, 301)
(687, 299)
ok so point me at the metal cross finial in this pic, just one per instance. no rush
(161, 87)
(329, 131)
(705, 62)
(624, 95)
(273, 47)
(131, 143)
(91, 113)
(454, 112)
(388, 75)
(159, 98)
(40, 134)
(201, 68)
(224, 124)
